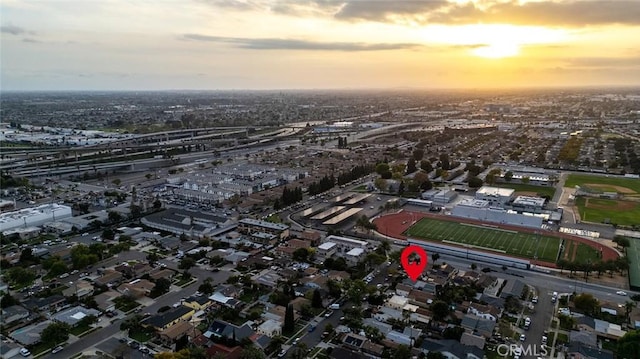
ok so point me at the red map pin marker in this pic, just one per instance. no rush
(412, 265)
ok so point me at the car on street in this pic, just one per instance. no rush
(328, 314)
(25, 352)
(523, 337)
(57, 349)
(621, 292)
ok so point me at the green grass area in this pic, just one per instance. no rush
(582, 179)
(79, 329)
(540, 190)
(509, 242)
(608, 209)
(633, 253)
(586, 253)
(361, 188)
(140, 336)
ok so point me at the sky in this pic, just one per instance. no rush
(317, 44)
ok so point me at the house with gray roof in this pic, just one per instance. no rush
(452, 349)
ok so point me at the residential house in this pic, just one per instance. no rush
(51, 303)
(270, 328)
(178, 330)
(158, 273)
(109, 278)
(79, 288)
(137, 288)
(311, 236)
(451, 349)
(74, 315)
(586, 337)
(478, 325)
(219, 350)
(344, 353)
(485, 311)
(105, 300)
(221, 329)
(354, 341)
(514, 288)
(197, 302)
(372, 349)
(162, 321)
(473, 340)
(14, 313)
(583, 351)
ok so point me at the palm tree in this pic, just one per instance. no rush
(628, 308)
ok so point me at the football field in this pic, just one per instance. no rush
(485, 237)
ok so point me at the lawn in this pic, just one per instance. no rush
(598, 210)
(540, 190)
(582, 179)
(140, 336)
(509, 242)
(79, 329)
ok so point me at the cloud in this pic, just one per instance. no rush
(31, 40)
(551, 13)
(377, 10)
(293, 44)
(14, 30)
(604, 62)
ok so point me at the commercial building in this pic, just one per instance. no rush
(494, 195)
(483, 211)
(440, 196)
(34, 216)
(250, 226)
(344, 244)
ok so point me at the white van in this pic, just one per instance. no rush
(334, 306)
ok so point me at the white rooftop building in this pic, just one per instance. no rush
(35, 216)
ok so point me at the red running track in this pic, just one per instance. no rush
(395, 224)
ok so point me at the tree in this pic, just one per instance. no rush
(435, 257)
(380, 184)
(252, 352)
(316, 300)
(411, 166)
(426, 166)
(206, 287)
(19, 276)
(26, 256)
(7, 301)
(114, 217)
(508, 176)
(401, 352)
(628, 308)
(116, 182)
(587, 304)
(163, 285)
(186, 263)
(57, 268)
(382, 168)
(289, 322)
(55, 333)
(157, 204)
(629, 345)
(440, 310)
(301, 254)
(475, 182)
(418, 153)
(435, 355)
(132, 324)
(108, 233)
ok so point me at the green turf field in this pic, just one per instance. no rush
(633, 253)
(540, 190)
(582, 179)
(599, 209)
(509, 242)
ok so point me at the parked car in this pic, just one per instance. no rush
(621, 292)
(25, 352)
(57, 349)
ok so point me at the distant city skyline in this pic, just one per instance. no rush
(317, 44)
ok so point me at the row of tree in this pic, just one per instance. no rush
(620, 264)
